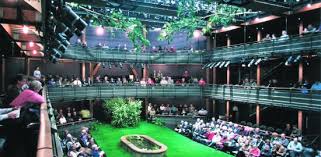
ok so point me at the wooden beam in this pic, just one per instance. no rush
(95, 70)
(133, 70)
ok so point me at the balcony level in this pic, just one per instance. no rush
(116, 55)
(280, 97)
(308, 43)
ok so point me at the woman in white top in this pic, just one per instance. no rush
(37, 73)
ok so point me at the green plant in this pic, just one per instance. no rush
(125, 112)
(158, 122)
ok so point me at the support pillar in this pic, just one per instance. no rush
(228, 41)
(214, 108)
(3, 76)
(258, 82)
(214, 75)
(259, 36)
(300, 113)
(207, 103)
(145, 72)
(27, 66)
(83, 71)
(91, 71)
(146, 107)
(207, 71)
(228, 102)
(300, 120)
(301, 28)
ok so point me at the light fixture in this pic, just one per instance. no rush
(197, 34)
(227, 64)
(288, 61)
(212, 65)
(31, 44)
(258, 61)
(297, 58)
(217, 64)
(100, 31)
(243, 65)
(25, 29)
(34, 52)
(309, 5)
(222, 64)
(251, 62)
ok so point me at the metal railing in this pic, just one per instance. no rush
(101, 92)
(115, 55)
(280, 97)
(291, 46)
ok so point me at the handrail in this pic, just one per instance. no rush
(44, 148)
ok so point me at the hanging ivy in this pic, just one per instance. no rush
(188, 20)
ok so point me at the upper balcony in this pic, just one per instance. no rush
(116, 55)
(280, 97)
(266, 49)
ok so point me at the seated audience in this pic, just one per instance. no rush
(295, 148)
(284, 36)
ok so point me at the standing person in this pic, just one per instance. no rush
(37, 73)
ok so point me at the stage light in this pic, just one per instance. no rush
(100, 31)
(258, 61)
(251, 62)
(288, 61)
(69, 16)
(212, 65)
(217, 64)
(34, 52)
(197, 34)
(309, 5)
(297, 58)
(243, 65)
(25, 29)
(227, 64)
(222, 64)
(31, 44)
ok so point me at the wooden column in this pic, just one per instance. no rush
(146, 107)
(228, 42)
(300, 120)
(228, 102)
(214, 106)
(258, 82)
(301, 28)
(214, 75)
(207, 71)
(83, 71)
(207, 103)
(91, 71)
(300, 73)
(259, 36)
(145, 72)
(300, 114)
(3, 76)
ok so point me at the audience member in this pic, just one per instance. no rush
(37, 73)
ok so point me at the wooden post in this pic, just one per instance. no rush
(83, 71)
(207, 71)
(259, 36)
(145, 72)
(91, 108)
(91, 71)
(258, 82)
(228, 41)
(301, 28)
(228, 102)
(300, 73)
(300, 120)
(214, 75)
(27, 66)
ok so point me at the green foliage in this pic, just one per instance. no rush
(189, 21)
(158, 122)
(125, 112)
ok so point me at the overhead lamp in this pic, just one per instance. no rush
(100, 31)
(204, 66)
(212, 65)
(31, 44)
(297, 58)
(34, 52)
(25, 29)
(258, 61)
(222, 64)
(251, 62)
(217, 64)
(227, 64)
(288, 61)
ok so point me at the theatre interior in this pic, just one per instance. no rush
(160, 78)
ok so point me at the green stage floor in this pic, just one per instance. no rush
(108, 138)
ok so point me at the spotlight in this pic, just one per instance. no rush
(197, 34)
(288, 61)
(34, 52)
(25, 29)
(31, 44)
(222, 64)
(226, 64)
(212, 65)
(100, 31)
(243, 65)
(252, 61)
(258, 61)
(297, 58)
(69, 16)
(309, 5)
(217, 64)
(80, 25)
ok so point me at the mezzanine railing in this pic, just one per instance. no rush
(280, 97)
(115, 55)
(293, 45)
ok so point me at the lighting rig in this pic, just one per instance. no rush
(60, 24)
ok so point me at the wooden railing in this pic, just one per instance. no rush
(44, 148)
